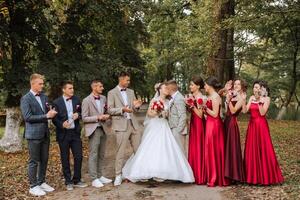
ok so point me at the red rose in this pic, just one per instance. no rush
(200, 101)
(157, 106)
(190, 102)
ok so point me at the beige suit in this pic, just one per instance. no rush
(124, 128)
(96, 133)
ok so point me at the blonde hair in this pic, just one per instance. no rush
(36, 76)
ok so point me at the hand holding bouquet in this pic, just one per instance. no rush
(158, 106)
(190, 101)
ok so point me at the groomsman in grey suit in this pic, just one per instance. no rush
(36, 112)
(94, 116)
(122, 106)
(177, 115)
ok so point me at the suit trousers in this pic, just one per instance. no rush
(71, 141)
(97, 142)
(180, 139)
(122, 137)
(38, 160)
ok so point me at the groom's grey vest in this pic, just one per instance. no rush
(177, 116)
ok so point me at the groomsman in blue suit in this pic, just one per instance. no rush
(36, 112)
(68, 134)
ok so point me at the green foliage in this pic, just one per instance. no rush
(154, 40)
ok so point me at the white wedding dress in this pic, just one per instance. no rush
(158, 156)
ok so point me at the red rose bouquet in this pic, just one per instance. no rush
(158, 106)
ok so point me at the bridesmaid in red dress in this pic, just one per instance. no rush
(261, 165)
(214, 137)
(235, 101)
(196, 154)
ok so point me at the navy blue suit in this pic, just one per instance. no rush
(69, 139)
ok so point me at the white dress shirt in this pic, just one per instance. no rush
(172, 98)
(99, 106)
(69, 106)
(125, 100)
(38, 98)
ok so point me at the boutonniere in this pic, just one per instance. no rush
(77, 108)
(48, 106)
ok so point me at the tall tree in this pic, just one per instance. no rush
(25, 29)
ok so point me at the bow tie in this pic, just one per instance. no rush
(37, 94)
(97, 98)
(123, 90)
(69, 99)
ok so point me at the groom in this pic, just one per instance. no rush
(122, 105)
(177, 116)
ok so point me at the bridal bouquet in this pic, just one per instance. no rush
(158, 106)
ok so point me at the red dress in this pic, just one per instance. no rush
(261, 165)
(234, 168)
(214, 150)
(196, 154)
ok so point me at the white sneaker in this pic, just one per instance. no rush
(97, 183)
(105, 180)
(37, 191)
(118, 180)
(46, 188)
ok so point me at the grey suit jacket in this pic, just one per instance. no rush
(177, 115)
(90, 114)
(36, 122)
(115, 105)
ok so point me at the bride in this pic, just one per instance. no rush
(158, 156)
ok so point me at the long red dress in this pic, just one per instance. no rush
(234, 166)
(261, 165)
(196, 156)
(214, 150)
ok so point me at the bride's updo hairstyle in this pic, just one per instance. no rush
(158, 87)
(213, 82)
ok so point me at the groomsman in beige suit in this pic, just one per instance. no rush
(94, 116)
(122, 106)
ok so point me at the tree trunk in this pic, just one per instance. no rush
(221, 58)
(281, 113)
(11, 141)
(293, 84)
(15, 77)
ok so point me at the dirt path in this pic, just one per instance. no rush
(151, 191)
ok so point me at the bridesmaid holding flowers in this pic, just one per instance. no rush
(235, 101)
(214, 136)
(196, 154)
(261, 164)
